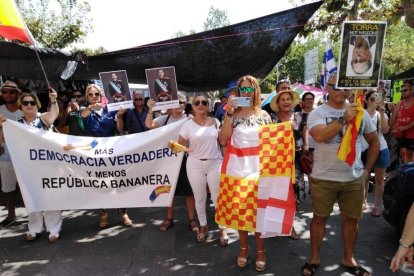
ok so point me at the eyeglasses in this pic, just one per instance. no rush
(181, 102)
(404, 90)
(334, 87)
(26, 103)
(8, 92)
(372, 99)
(77, 96)
(244, 89)
(203, 102)
(138, 99)
(94, 94)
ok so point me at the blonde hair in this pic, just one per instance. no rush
(257, 101)
(92, 85)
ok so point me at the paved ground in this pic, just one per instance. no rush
(142, 249)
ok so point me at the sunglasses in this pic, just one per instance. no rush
(203, 102)
(8, 92)
(94, 94)
(77, 96)
(244, 89)
(308, 99)
(404, 90)
(372, 99)
(138, 99)
(283, 81)
(334, 87)
(26, 103)
(181, 102)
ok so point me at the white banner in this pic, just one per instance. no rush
(63, 172)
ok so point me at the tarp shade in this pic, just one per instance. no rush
(404, 75)
(203, 62)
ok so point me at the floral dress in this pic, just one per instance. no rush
(298, 126)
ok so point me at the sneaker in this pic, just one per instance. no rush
(7, 222)
(125, 220)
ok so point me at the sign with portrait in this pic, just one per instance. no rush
(116, 89)
(163, 87)
(362, 43)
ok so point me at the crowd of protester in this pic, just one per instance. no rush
(316, 130)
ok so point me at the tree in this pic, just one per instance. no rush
(56, 23)
(216, 18)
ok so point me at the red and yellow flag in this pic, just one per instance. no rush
(347, 148)
(12, 25)
(257, 176)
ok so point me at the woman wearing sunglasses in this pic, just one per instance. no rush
(30, 105)
(236, 126)
(204, 161)
(99, 122)
(376, 110)
(183, 185)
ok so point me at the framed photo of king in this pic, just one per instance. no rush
(162, 85)
(115, 86)
(360, 56)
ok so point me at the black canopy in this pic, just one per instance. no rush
(203, 61)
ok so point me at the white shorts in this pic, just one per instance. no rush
(8, 177)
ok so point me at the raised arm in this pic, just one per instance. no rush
(50, 117)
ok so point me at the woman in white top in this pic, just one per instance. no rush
(380, 120)
(204, 161)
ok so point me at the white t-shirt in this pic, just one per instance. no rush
(376, 121)
(326, 164)
(202, 139)
(11, 116)
(160, 121)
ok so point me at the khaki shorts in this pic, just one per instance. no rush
(8, 177)
(349, 195)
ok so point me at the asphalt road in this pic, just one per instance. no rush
(84, 249)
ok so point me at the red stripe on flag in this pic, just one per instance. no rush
(11, 32)
(230, 149)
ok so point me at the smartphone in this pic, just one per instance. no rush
(241, 101)
(379, 97)
(73, 100)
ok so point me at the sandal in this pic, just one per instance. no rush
(376, 212)
(357, 270)
(260, 265)
(242, 261)
(167, 224)
(193, 226)
(293, 235)
(201, 235)
(309, 269)
(224, 239)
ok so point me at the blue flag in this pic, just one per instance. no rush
(328, 66)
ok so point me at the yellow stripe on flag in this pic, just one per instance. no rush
(12, 25)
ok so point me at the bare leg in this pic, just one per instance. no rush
(317, 233)
(260, 253)
(190, 203)
(349, 237)
(244, 249)
(379, 186)
(9, 202)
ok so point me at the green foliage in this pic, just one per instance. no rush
(56, 23)
(216, 18)
(90, 52)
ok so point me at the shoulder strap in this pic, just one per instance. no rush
(139, 120)
(166, 121)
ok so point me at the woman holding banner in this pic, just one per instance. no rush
(238, 190)
(99, 122)
(30, 105)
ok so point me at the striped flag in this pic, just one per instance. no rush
(12, 25)
(256, 184)
(328, 66)
(347, 148)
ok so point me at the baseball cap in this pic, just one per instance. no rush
(232, 85)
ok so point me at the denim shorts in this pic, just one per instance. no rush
(383, 160)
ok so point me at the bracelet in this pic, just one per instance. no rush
(53, 102)
(405, 245)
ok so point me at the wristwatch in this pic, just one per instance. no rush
(342, 120)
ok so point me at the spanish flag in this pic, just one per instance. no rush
(256, 185)
(12, 25)
(347, 148)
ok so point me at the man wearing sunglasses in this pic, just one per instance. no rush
(10, 110)
(135, 118)
(333, 180)
(402, 122)
(75, 121)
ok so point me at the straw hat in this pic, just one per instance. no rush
(10, 85)
(293, 94)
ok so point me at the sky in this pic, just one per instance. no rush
(123, 24)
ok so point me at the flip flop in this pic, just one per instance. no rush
(357, 270)
(311, 269)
